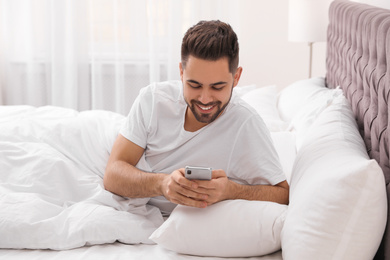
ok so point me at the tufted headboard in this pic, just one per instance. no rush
(358, 60)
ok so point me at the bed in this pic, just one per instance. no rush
(359, 62)
(330, 134)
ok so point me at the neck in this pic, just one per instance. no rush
(191, 124)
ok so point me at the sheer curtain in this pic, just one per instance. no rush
(95, 54)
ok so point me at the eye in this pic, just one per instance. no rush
(219, 88)
(194, 86)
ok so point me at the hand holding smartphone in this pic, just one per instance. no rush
(198, 173)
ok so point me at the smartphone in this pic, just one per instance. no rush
(198, 173)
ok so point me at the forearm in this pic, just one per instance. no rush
(278, 193)
(126, 180)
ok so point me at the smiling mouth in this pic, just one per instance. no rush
(204, 108)
(205, 113)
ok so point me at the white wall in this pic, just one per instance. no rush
(265, 52)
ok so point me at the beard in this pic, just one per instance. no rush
(207, 117)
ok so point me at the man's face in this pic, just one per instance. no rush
(207, 87)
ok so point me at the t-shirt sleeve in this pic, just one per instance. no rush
(254, 157)
(137, 123)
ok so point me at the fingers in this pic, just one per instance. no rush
(182, 181)
(193, 199)
(187, 193)
(217, 189)
(213, 184)
(182, 200)
(195, 193)
(179, 190)
(218, 174)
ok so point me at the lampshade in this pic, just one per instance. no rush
(308, 20)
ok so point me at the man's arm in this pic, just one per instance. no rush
(221, 188)
(123, 178)
(278, 193)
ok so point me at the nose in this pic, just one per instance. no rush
(205, 96)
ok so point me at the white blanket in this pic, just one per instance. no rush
(52, 162)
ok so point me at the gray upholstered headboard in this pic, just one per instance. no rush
(358, 60)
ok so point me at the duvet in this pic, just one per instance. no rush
(52, 162)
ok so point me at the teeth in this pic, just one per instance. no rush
(206, 108)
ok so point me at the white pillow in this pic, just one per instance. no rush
(305, 117)
(242, 90)
(232, 228)
(293, 98)
(263, 100)
(338, 204)
(284, 143)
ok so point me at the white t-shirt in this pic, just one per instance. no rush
(237, 142)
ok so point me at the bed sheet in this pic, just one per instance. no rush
(117, 251)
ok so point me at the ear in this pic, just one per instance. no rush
(237, 76)
(181, 71)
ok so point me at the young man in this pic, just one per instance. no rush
(197, 122)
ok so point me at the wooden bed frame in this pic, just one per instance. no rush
(358, 60)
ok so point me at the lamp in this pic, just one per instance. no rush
(307, 22)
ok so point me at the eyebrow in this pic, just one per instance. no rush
(213, 84)
(218, 83)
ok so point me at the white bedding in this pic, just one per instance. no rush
(51, 182)
(115, 251)
(52, 162)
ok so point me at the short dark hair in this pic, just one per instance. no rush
(211, 40)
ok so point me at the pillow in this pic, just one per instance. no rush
(242, 90)
(284, 143)
(292, 98)
(338, 204)
(263, 100)
(231, 228)
(305, 117)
